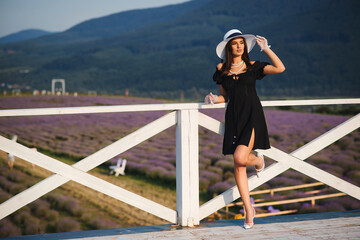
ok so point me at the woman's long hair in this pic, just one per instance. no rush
(229, 57)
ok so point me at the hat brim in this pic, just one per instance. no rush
(250, 42)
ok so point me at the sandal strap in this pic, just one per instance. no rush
(261, 169)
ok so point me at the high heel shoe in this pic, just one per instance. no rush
(250, 225)
(259, 171)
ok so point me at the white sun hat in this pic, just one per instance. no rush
(234, 33)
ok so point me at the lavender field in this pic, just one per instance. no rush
(81, 135)
(73, 207)
(77, 136)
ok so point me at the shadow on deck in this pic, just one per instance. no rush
(333, 225)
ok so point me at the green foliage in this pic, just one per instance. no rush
(177, 53)
(350, 110)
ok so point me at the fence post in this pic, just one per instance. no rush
(187, 168)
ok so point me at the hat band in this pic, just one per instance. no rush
(234, 35)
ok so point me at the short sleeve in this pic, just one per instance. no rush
(217, 77)
(258, 67)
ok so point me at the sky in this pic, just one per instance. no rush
(60, 15)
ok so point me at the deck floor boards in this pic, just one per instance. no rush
(334, 225)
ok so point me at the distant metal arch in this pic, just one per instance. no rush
(54, 81)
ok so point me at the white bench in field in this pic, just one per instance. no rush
(119, 168)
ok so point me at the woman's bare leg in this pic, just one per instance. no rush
(242, 158)
(254, 160)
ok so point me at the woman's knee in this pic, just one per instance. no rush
(241, 156)
(240, 160)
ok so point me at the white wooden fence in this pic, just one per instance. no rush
(187, 118)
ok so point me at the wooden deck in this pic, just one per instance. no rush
(334, 225)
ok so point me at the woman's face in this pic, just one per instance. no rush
(237, 47)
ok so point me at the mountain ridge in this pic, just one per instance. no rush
(111, 25)
(306, 35)
(23, 35)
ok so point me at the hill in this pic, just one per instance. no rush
(315, 39)
(23, 35)
(122, 22)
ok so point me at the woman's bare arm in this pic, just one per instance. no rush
(223, 95)
(278, 66)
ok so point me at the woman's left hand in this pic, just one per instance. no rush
(278, 66)
(262, 42)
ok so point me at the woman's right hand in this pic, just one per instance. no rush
(211, 98)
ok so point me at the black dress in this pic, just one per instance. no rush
(244, 111)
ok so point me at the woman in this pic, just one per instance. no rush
(245, 125)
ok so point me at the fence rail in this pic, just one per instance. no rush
(186, 117)
(281, 189)
(163, 107)
(263, 203)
